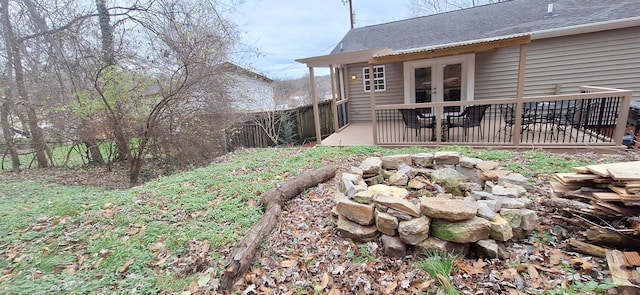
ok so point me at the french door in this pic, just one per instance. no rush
(438, 80)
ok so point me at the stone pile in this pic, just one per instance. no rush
(435, 201)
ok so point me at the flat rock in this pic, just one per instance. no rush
(399, 178)
(495, 205)
(389, 191)
(386, 223)
(401, 205)
(394, 161)
(415, 230)
(423, 160)
(485, 212)
(448, 209)
(363, 197)
(494, 175)
(447, 177)
(393, 246)
(432, 244)
(511, 192)
(488, 165)
(468, 162)
(371, 166)
(500, 229)
(490, 249)
(446, 158)
(517, 179)
(466, 231)
(362, 214)
(357, 232)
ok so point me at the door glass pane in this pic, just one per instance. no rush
(451, 80)
(423, 84)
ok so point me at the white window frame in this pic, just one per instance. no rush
(379, 79)
(467, 80)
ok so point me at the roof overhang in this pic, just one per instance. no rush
(344, 58)
(451, 49)
(587, 28)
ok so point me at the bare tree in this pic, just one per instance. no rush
(14, 57)
(427, 7)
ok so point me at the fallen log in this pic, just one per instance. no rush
(242, 254)
(603, 236)
(585, 248)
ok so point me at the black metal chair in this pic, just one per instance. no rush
(414, 119)
(471, 117)
(509, 116)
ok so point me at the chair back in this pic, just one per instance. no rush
(410, 118)
(474, 115)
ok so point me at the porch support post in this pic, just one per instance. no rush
(517, 126)
(334, 96)
(316, 112)
(372, 93)
(622, 118)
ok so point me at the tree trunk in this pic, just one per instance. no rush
(95, 156)
(7, 132)
(13, 53)
(242, 254)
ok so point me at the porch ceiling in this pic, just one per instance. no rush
(450, 49)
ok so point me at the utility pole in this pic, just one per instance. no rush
(350, 12)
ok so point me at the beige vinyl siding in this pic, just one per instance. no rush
(360, 101)
(606, 59)
(496, 74)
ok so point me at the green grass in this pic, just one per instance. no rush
(74, 239)
(439, 266)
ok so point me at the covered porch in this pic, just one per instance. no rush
(592, 117)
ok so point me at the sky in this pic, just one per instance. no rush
(286, 30)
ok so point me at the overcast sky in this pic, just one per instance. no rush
(286, 30)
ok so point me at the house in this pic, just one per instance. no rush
(250, 92)
(528, 59)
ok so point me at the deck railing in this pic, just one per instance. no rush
(594, 117)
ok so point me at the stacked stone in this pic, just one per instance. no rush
(435, 201)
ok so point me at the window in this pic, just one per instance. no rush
(378, 79)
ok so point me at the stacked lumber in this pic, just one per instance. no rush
(604, 185)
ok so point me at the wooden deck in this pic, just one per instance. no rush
(359, 133)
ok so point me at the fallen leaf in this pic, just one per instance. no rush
(193, 287)
(288, 263)
(265, 290)
(325, 280)
(583, 263)
(126, 265)
(555, 256)
(161, 261)
(71, 268)
(534, 276)
(156, 246)
(477, 267)
(424, 285)
(391, 288)
(108, 213)
(509, 274)
(205, 247)
(334, 291)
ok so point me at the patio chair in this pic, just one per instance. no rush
(471, 117)
(509, 116)
(415, 120)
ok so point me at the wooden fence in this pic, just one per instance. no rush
(297, 128)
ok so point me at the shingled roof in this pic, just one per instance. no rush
(484, 22)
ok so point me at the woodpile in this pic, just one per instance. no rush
(604, 200)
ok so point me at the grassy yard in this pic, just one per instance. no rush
(79, 240)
